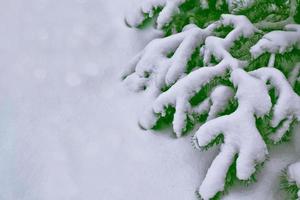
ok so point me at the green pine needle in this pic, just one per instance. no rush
(291, 189)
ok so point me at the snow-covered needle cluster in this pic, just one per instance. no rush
(291, 181)
(294, 175)
(232, 67)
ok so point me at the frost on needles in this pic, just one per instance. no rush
(231, 66)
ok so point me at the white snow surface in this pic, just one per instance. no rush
(68, 126)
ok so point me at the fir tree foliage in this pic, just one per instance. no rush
(232, 66)
(290, 181)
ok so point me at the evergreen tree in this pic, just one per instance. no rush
(232, 66)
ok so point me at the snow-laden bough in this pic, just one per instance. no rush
(154, 68)
(242, 138)
(234, 98)
(182, 91)
(167, 9)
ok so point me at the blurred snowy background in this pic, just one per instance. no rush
(68, 126)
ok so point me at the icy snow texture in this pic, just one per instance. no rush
(294, 174)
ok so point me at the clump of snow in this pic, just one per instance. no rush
(215, 103)
(153, 68)
(287, 106)
(220, 97)
(204, 4)
(169, 9)
(278, 41)
(241, 138)
(218, 47)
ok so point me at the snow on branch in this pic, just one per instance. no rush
(182, 91)
(221, 81)
(242, 138)
(218, 47)
(278, 41)
(219, 98)
(266, 24)
(287, 107)
(169, 9)
(154, 66)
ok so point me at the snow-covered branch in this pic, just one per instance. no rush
(153, 66)
(163, 64)
(169, 9)
(242, 138)
(181, 92)
(266, 24)
(278, 41)
(287, 106)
